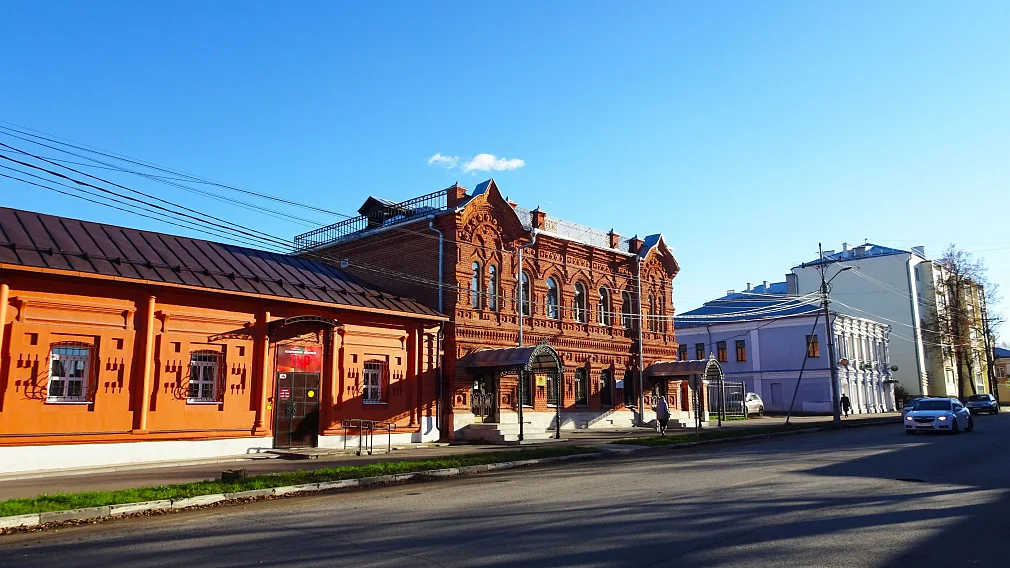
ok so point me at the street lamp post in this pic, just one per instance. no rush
(835, 410)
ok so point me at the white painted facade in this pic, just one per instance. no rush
(15, 459)
(775, 352)
(891, 288)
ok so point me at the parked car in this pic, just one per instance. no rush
(938, 415)
(982, 403)
(754, 404)
(908, 405)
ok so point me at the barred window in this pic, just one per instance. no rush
(70, 365)
(205, 369)
(372, 382)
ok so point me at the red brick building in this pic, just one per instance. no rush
(459, 253)
(118, 345)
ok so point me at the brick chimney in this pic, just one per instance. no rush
(635, 244)
(615, 239)
(538, 218)
(455, 195)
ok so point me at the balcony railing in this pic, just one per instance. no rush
(392, 214)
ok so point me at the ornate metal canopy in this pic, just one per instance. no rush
(532, 358)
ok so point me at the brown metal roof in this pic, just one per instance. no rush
(531, 358)
(45, 241)
(683, 368)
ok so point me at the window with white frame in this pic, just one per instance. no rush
(371, 390)
(1000, 371)
(69, 368)
(579, 303)
(604, 307)
(552, 300)
(205, 369)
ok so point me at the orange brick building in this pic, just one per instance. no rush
(118, 345)
(459, 253)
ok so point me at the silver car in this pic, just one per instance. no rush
(938, 415)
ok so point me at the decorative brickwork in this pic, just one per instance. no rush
(486, 232)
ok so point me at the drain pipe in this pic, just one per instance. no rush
(641, 368)
(520, 278)
(440, 388)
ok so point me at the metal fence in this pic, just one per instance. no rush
(391, 214)
(727, 399)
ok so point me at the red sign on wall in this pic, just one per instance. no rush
(284, 394)
(299, 359)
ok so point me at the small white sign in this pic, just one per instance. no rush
(619, 384)
(284, 375)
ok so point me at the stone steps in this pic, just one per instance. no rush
(503, 433)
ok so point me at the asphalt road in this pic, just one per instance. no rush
(861, 497)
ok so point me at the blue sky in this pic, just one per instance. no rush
(745, 132)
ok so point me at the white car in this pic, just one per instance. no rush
(938, 415)
(754, 404)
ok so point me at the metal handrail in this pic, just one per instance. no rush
(368, 428)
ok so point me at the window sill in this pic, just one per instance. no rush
(375, 403)
(54, 401)
(196, 402)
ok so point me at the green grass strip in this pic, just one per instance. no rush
(64, 501)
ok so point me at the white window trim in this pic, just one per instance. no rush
(85, 381)
(372, 370)
(217, 365)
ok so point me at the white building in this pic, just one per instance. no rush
(766, 338)
(901, 288)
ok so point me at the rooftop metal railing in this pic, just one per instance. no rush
(387, 216)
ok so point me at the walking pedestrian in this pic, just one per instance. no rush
(846, 405)
(662, 415)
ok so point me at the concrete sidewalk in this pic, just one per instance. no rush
(166, 473)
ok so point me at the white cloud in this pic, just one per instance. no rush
(488, 162)
(447, 162)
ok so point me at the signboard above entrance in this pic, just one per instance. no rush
(299, 358)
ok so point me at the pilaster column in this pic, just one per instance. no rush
(146, 371)
(261, 360)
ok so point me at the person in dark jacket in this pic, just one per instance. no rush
(846, 405)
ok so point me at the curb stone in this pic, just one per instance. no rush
(127, 508)
(74, 514)
(20, 521)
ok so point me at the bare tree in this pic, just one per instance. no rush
(960, 326)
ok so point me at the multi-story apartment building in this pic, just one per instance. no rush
(544, 314)
(911, 293)
(775, 343)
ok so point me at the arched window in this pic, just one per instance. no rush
(652, 314)
(626, 308)
(475, 287)
(492, 288)
(579, 304)
(604, 309)
(552, 299)
(525, 301)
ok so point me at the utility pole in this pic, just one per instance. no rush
(836, 415)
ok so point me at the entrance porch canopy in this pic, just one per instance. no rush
(533, 358)
(708, 368)
(523, 362)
